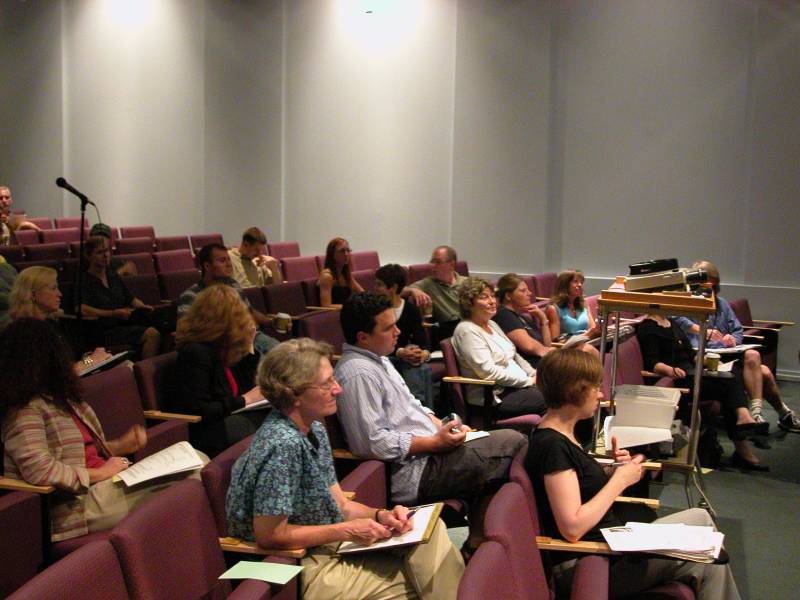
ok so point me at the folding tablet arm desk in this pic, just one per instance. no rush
(698, 308)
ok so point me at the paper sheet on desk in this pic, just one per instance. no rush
(733, 349)
(476, 435)
(675, 539)
(177, 458)
(424, 520)
(265, 571)
(261, 404)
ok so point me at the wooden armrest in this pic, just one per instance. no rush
(71, 317)
(349, 494)
(469, 381)
(557, 344)
(749, 336)
(342, 453)
(230, 544)
(542, 299)
(651, 502)
(166, 416)
(605, 404)
(651, 374)
(323, 308)
(429, 325)
(783, 323)
(646, 465)
(547, 543)
(16, 485)
(773, 329)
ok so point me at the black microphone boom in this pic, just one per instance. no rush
(63, 183)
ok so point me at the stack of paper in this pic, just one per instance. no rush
(686, 542)
(177, 458)
(644, 415)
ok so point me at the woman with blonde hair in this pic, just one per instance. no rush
(35, 295)
(336, 281)
(215, 370)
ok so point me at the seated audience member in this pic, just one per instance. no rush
(215, 267)
(484, 352)
(105, 296)
(412, 352)
(575, 494)
(725, 331)
(440, 291)
(35, 295)
(251, 265)
(524, 323)
(667, 352)
(382, 419)
(52, 437)
(568, 313)
(216, 369)
(8, 223)
(124, 268)
(336, 281)
(7, 276)
(284, 494)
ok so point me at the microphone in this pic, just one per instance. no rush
(63, 183)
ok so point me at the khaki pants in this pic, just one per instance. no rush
(108, 502)
(426, 571)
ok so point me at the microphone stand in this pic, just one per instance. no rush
(79, 295)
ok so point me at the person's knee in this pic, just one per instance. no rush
(752, 359)
(698, 516)
(510, 438)
(151, 335)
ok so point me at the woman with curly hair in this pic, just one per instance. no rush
(52, 437)
(485, 352)
(215, 370)
(336, 281)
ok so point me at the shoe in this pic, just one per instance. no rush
(790, 422)
(738, 461)
(748, 430)
(758, 417)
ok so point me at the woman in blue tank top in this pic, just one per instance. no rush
(568, 312)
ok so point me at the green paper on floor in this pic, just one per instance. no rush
(269, 572)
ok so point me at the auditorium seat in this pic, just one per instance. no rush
(21, 542)
(12, 254)
(68, 222)
(480, 580)
(72, 234)
(418, 271)
(143, 262)
(477, 417)
(311, 290)
(365, 259)
(323, 326)
(168, 549)
(173, 242)
(144, 286)
(114, 397)
(320, 260)
(462, 268)
(296, 268)
(138, 231)
(366, 279)
(41, 222)
(281, 250)
(769, 330)
(285, 297)
(51, 251)
(90, 573)
(134, 245)
(26, 237)
(203, 239)
(174, 283)
(153, 378)
(168, 261)
(545, 285)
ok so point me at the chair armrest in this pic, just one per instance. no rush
(344, 453)
(231, 544)
(16, 485)
(319, 308)
(762, 328)
(73, 317)
(590, 581)
(755, 338)
(368, 482)
(349, 495)
(779, 323)
(158, 415)
(468, 380)
(649, 502)
(547, 543)
(542, 299)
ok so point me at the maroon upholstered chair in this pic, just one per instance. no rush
(591, 304)
(366, 259)
(768, 330)
(153, 379)
(173, 242)
(203, 239)
(366, 279)
(311, 290)
(67, 222)
(168, 261)
(89, 573)
(285, 297)
(134, 245)
(545, 284)
(138, 231)
(12, 254)
(27, 237)
(41, 222)
(281, 250)
(144, 287)
(462, 268)
(71, 234)
(417, 272)
(320, 260)
(296, 268)
(323, 326)
(169, 549)
(174, 283)
(480, 579)
(114, 397)
(143, 262)
(49, 251)
(477, 417)
(21, 543)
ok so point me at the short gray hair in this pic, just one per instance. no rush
(468, 291)
(289, 369)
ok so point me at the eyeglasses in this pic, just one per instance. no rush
(326, 387)
(344, 250)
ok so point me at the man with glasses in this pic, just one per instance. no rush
(439, 291)
(383, 420)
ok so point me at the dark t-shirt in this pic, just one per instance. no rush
(96, 295)
(510, 321)
(551, 452)
(411, 329)
(668, 345)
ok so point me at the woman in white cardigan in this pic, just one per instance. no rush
(485, 352)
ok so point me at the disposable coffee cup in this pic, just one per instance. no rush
(282, 322)
(712, 361)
